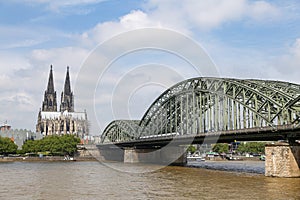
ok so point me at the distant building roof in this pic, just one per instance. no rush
(56, 115)
(20, 135)
(5, 126)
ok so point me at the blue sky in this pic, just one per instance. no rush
(245, 39)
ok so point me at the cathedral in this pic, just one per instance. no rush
(66, 120)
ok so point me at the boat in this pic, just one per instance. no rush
(195, 158)
(262, 158)
(68, 158)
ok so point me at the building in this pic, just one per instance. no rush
(18, 136)
(66, 120)
(5, 127)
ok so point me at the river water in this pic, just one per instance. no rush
(93, 180)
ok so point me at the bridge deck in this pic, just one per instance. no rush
(255, 134)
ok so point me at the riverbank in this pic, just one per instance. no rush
(242, 166)
(45, 159)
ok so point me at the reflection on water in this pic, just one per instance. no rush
(237, 166)
(91, 180)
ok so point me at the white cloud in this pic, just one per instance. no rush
(210, 14)
(18, 99)
(20, 37)
(132, 91)
(102, 31)
(295, 50)
(31, 36)
(72, 56)
(261, 10)
(206, 15)
(287, 66)
(58, 5)
(182, 16)
(19, 109)
(253, 63)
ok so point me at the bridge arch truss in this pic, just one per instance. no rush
(204, 105)
(120, 131)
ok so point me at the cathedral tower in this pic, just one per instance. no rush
(50, 103)
(53, 122)
(67, 100)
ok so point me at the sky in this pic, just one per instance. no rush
(245, 39)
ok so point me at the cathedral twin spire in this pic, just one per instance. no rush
(50, 87)
(67, 101)
(50, 102)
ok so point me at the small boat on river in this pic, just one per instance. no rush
(195, 158)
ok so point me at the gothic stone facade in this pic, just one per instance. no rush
(66, 120)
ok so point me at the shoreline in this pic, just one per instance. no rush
(45, 159)
(91, 158)
(240, 166)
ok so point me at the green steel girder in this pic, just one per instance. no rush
(231, 82)
(256, 95)
(201, 105)
(120, 130)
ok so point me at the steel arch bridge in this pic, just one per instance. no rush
(208, 105)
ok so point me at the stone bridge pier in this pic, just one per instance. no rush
(282, 160)
(168, 155)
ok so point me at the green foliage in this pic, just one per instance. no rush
(30, 146)
(56, 145)
(221, 148)
(20, 151)
(7, 146)
(252, 147)
(191, 149)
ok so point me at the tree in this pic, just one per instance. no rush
(7, 146)
(252, 147)
(191, 149)
(56, 145)
(221, 148)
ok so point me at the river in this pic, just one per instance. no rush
(93, 180)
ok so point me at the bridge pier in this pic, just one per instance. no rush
(170, 155)
(111, 153)
(282, 160)
(89, 151)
